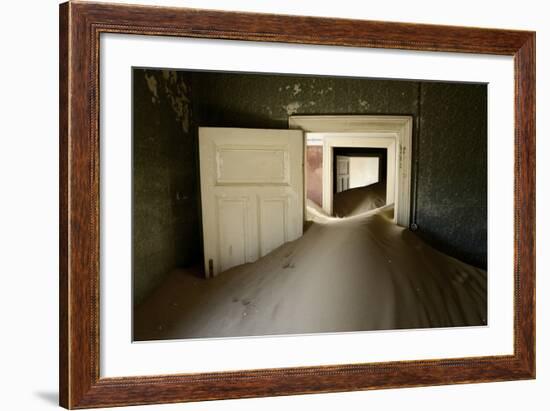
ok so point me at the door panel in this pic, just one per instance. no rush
(251, 192)
(342, 173)
(233, 231)
(273, 223)
(270, 165)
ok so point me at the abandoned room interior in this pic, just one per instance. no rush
(272, 204)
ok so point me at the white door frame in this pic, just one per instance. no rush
(391, 132)
(363, 140)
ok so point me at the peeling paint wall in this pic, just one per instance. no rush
(165, 220)
(266, 101)
(314, 172)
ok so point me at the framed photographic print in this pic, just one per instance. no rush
(258, 205)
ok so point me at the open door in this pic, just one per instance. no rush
(342, 173)
(252, 193)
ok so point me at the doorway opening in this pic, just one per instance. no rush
(389, 138)
(359, 180)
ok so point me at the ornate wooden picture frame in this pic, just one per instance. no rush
(80, 27)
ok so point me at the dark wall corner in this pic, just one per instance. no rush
(165, 213)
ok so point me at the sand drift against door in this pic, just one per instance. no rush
(272, 204)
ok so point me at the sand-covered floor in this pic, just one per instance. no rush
(359, 200)
(353, 274)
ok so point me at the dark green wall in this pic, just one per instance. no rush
(236, 100)
(165, 230)
(451, 206)
(449, 144)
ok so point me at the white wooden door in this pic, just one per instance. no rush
(342, 173)
(251, 191)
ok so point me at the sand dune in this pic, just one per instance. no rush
(358, 200)
(353, 274)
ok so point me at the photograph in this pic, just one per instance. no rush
(272, 204)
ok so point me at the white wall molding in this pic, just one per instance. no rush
(391, 132)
